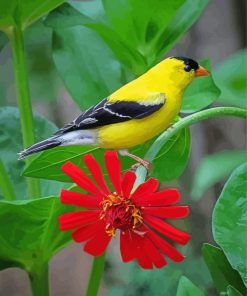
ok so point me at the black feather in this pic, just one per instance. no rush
(105, 113)
(46, 144)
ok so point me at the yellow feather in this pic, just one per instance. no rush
(167, 79)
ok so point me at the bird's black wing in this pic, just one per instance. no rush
(106, 112)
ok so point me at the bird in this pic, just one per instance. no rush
(131, 115)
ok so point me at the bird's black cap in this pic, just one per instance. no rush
(188, 62)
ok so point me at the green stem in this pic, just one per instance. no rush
(96, 275)
(23, 98)
(5, 184)
(39, 279)
(181, 124)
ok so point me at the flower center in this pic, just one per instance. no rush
(119, 213)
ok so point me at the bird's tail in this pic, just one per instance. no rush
(43, 145)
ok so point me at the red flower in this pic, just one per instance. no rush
(137, 214)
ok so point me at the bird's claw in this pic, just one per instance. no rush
(146, 164)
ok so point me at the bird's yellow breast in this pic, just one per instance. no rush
(134, 132)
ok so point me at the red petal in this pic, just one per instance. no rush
(78, 199)
(168, 212)
(128, 183)
(97, 245)
(165, 247)
(143, 259)
(161, 198)
(87, 232)
(153, 253)
(81, 179)
(145, 188)
(96, 172)
(168, 230)
(127, 247)
(113, 167)
(77, 219)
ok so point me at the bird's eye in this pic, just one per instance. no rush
(187, 68)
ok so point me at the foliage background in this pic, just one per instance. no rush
(218, 34)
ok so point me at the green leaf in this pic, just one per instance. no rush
(136, 48)
(221, 271)
(230, 219)
(213, 168)
(187, 288)
(23, 13)
(11, 144)
(31, 233)
(85, 64)
(231, 291)
(172, 160)
(184, 18)
(66, 16)
(231, 78)
(201, 93)
(169, 164)
(146, 18)
(43, 78)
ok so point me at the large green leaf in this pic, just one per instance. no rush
(168, 165)
(44, 81)
(172, 160)
(156, 28)
(85, 64)
(221, 271)
(213, 168)
(187, 288)
(11, 144)
(230, 220)
(140, 23)
(201, 93)
(30, 235)
(66, 16)
(184, 18)
(23, 13)
(231, 77)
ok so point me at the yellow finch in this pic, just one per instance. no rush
(133, 114)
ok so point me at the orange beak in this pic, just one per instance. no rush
(202, 72)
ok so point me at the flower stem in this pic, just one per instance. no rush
(96, 275)
(181, 124)
(23, 99)
(39, 279)
(5, 184)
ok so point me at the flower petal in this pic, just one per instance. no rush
(145, 188)
(77, 219)
(161, 198)
(143, 259)
(79, 199)
(167, 212)
(153, 253)
(168, 230)
(127, 248)
(165, 247)
(97, 245)
(128, 183)
(81, 179)
(86, 232)
(96, 172)
(113, 167)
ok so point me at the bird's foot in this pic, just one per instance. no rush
(145, 163)
(140, 161)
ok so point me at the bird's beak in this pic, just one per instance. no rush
(202, 72)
